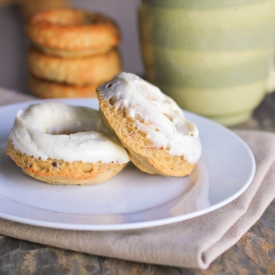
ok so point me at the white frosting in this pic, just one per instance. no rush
(168, 129)
(35, 133)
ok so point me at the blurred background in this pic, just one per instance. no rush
(13, 43)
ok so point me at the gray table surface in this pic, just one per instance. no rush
(253, 254)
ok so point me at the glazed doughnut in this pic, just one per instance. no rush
(77, 71)
(72, 33)
(47, 89)
(150, 125)
(58, 143)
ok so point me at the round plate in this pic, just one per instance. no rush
(131, 199)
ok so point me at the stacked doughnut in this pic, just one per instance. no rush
(71, 52)
(57, 143)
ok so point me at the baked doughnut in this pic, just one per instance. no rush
(72, 33)
(58, 143)
(150, 125)
(47, 89)
(77, 71)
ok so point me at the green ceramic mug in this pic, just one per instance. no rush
(214, 57)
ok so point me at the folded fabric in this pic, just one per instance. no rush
(191, 243)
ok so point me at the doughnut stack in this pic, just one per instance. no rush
(71, 52)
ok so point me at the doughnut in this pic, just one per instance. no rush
(47, 89)
(77, 71)
(62, 144)
(68, 32)
(150, 125)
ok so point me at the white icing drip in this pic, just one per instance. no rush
(35, 133)
(168, 128)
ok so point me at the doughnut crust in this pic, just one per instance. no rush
(77, 71)
(54, 171)
(70, 32)
(47, 89)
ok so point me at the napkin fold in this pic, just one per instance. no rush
(193, 243)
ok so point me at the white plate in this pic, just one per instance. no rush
(132, 199)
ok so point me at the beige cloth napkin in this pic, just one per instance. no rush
(192, 243)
